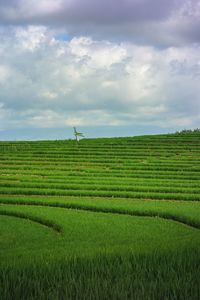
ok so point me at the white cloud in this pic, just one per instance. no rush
(31, 38)
(48, 94)
(50, 83)
(98, 56)
(5, 73)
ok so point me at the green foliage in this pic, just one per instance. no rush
(106, 277)
(188, 131)
(112, 218)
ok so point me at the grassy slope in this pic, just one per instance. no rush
(89, 233)
(97, 177)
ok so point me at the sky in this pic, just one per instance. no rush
(109, 67)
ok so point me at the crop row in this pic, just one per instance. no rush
(106, 160)
(109, 151)
(100, 187)
(112, 168)
(108, 147)
(179, 211)
(94, 145)
(95, 173)
(117, 166)
(106, 181)
(94, 193)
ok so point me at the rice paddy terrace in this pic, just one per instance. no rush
(109, 197)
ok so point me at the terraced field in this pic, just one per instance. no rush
(115, 218)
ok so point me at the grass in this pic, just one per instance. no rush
(111, 218)
(186, 212)
(87, 233)
(106, 277)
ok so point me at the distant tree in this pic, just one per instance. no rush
(186, 131)
(77, 134)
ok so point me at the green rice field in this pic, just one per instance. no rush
(106, 218)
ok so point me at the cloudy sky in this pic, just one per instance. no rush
(109, 67)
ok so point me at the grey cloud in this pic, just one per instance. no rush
(117, 11)
(155, 22)
(90, 11)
